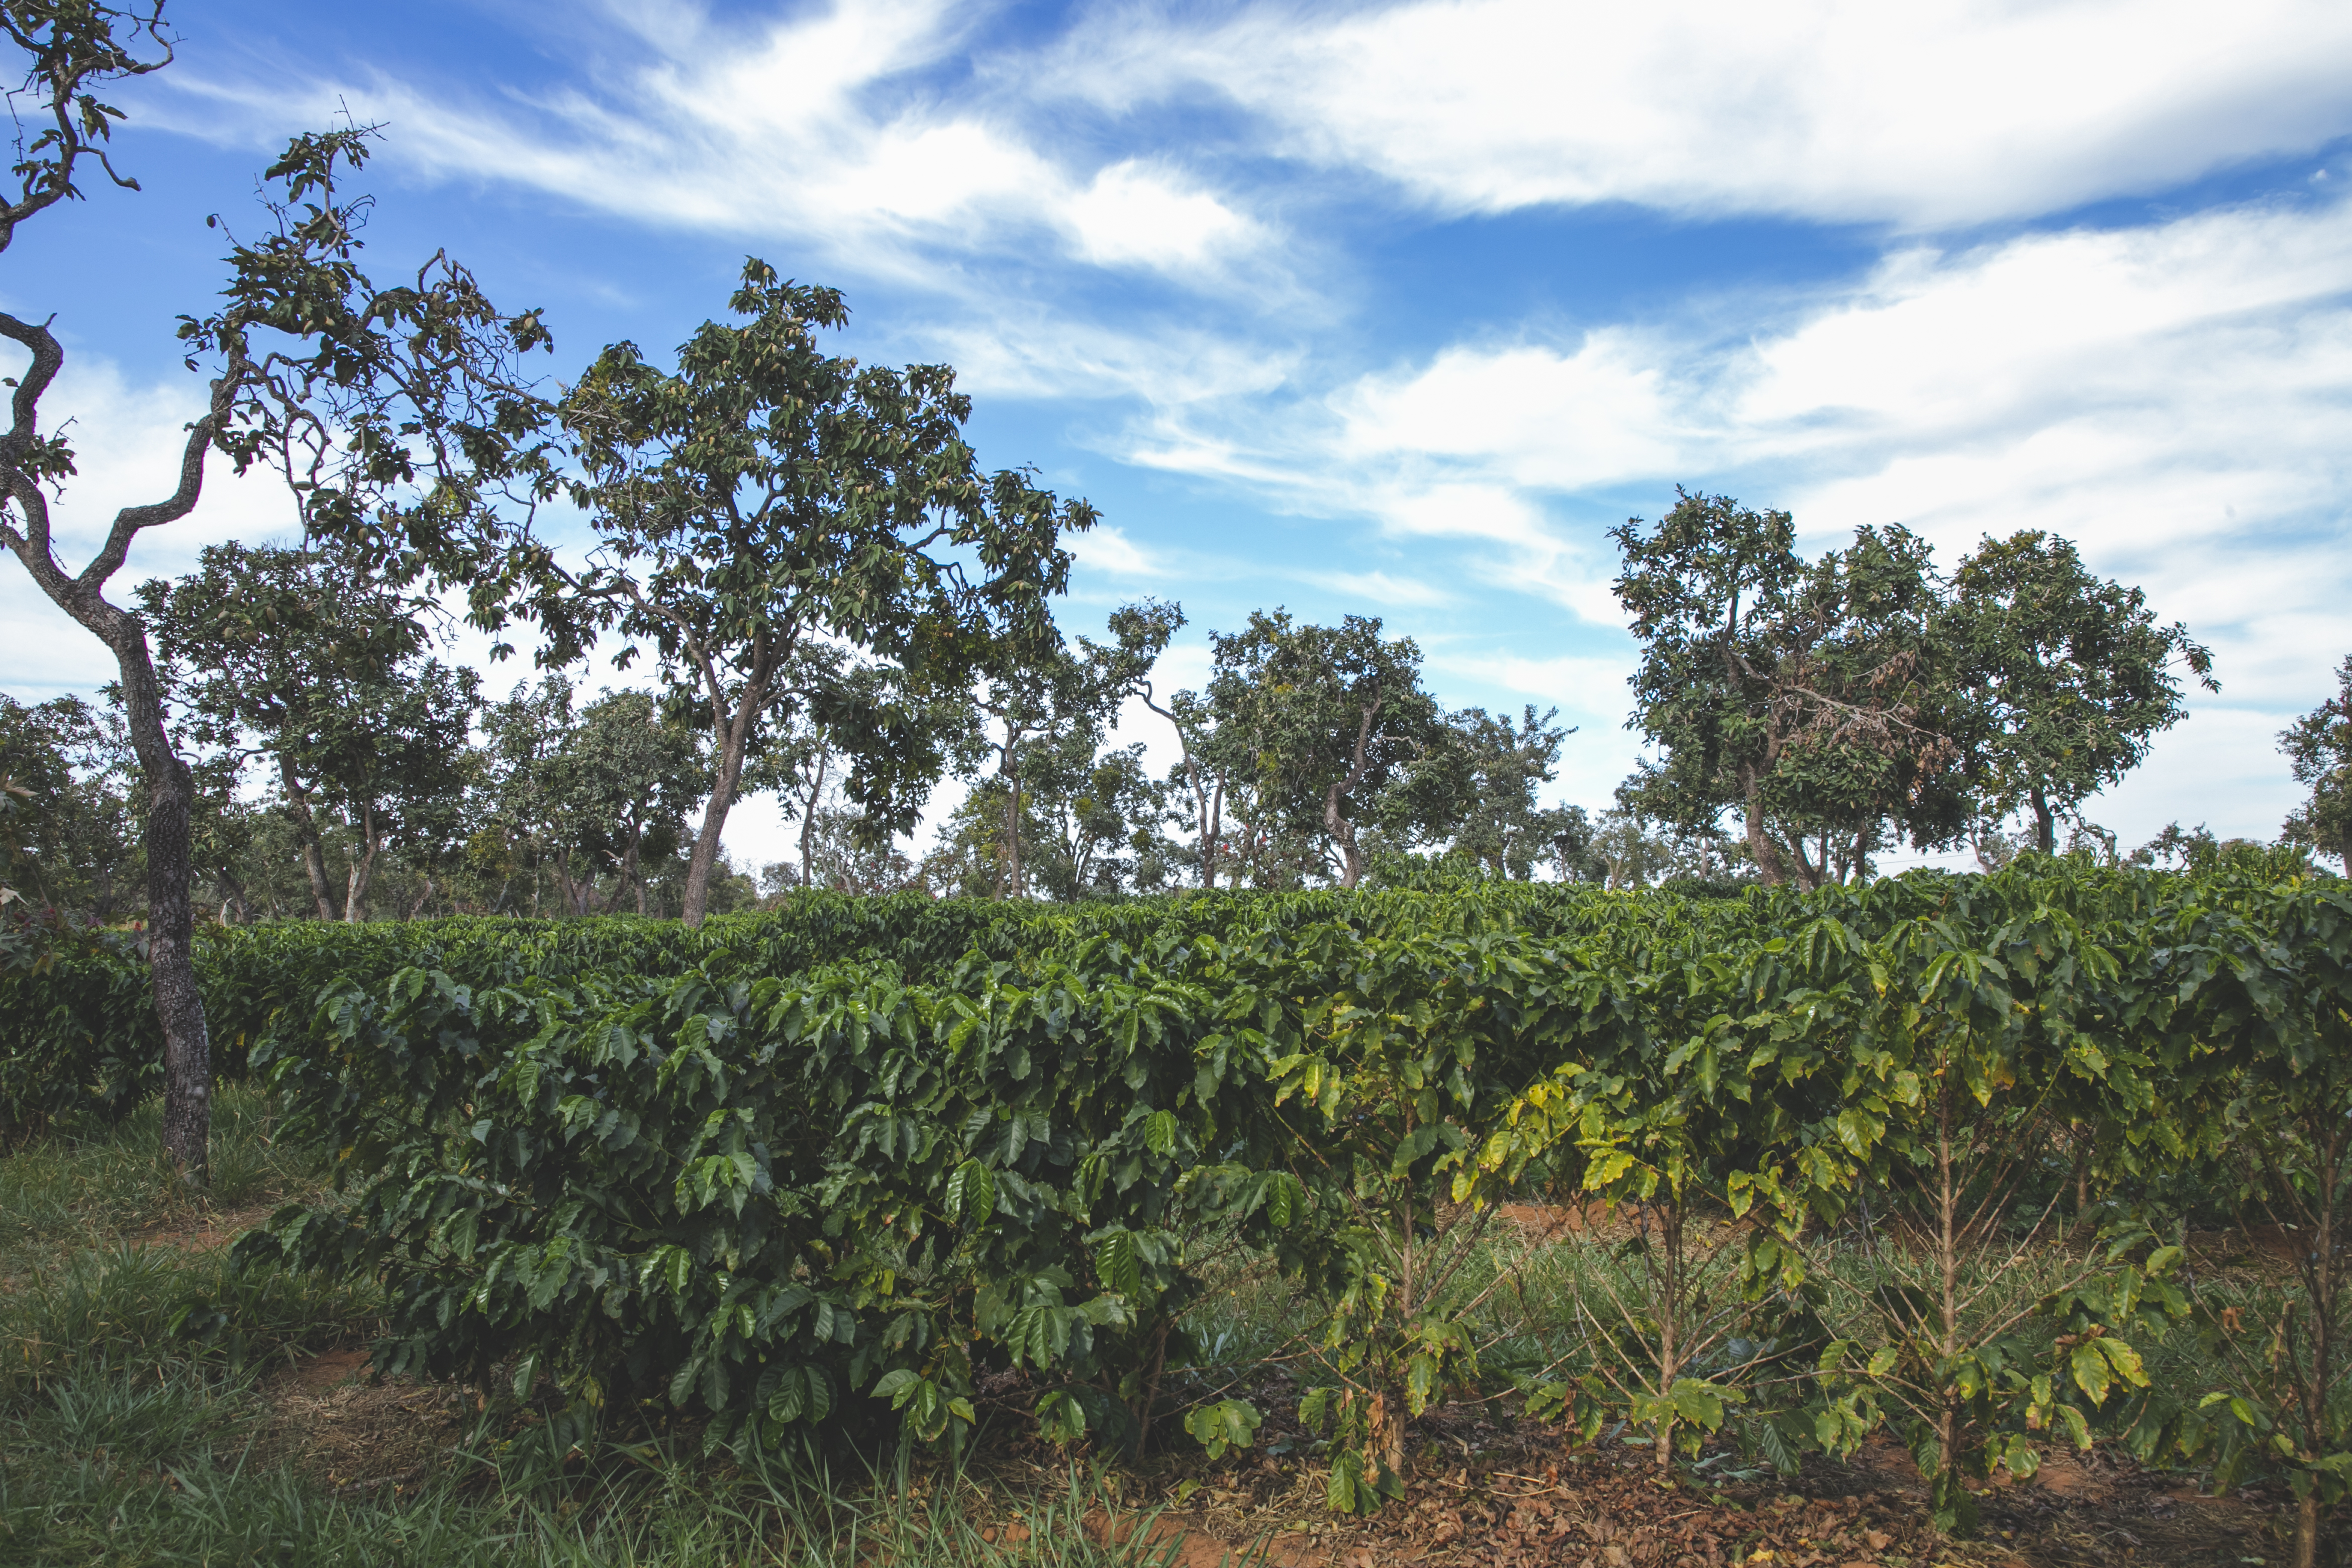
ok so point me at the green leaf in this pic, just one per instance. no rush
(1701, 1403)
(1160, 1132)
(971, 1190)
(1118, 1264)
(2124, 1358)
(1227, 1423)
(1419, 1382)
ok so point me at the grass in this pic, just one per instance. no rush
(77, 1186)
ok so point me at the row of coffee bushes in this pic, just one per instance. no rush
(78, 1032)
(826, 1173)
(774, 1198)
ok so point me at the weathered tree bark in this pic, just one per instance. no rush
(306, 835)
(1343, 831)
(355, 887)
(170, 788)
(171, 923)
(1766, 854)
(734, 738)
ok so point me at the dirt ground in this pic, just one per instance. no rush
(1515, 1499)
(1496, 1494)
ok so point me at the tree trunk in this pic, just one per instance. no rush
(2045, 823)
(630, 877)
(808, 819)
(1342, 831)
(306, 835)
(1012, 824)
(170, 788)
(733, 742)
(171, 921)
(232, 898)
(1949, 1430)
(1343, 834)
(1766, 854)
(2322, 1273)
(355, 890)
(1216, 822)
(1205, 815)
(1809, 876)
(1670, 1350)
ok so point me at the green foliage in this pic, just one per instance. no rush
(2070, 676)
(1839, 703)
(2318, 747)
(69, 824)
(765, 493)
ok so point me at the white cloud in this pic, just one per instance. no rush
(825, 129)
(1104, 548)
(1382, 587)
(2172, 397)
(1590, 416)
(1586, 686)
(128, 443)
(1133, 216)
(1931, 113)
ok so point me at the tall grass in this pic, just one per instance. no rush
(103, 1180)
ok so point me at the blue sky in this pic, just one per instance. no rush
(1384, 310)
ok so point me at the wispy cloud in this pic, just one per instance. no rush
(1108, 550)
(1926, 114)
(1381, 588)
(848, 129)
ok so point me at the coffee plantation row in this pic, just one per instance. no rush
(833, 1167)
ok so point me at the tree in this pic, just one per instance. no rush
(1813, 699)
(1191, 716)
(1105, 820)
(765, 492)
(521, 738)
(1330, 717)
(2071, 676)
(624, 778)
(71, 48)
(2318, 747)
(284, 654)
(1626, 852)
(74, 792)
(1477, 786)
(1049, 699)
(1067, 701)
(846, 855)
(395, 415)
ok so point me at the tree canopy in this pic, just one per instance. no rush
(764, 491)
